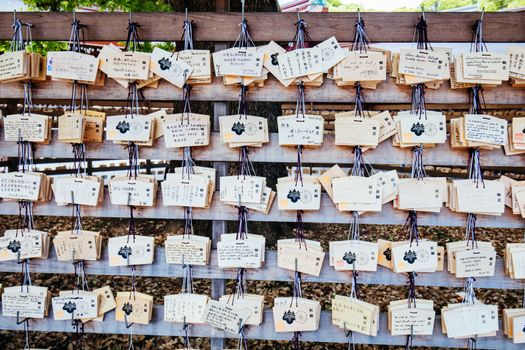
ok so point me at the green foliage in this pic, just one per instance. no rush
(489, 5)
(334, 3)
(41, 47)
(106, 5)
(494, 5)
(435, 5)
(168, 46)
(337, 6)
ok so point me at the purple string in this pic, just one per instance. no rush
(245, 169)
(474, 170)
(185, 329)
(301, 37)
(297, 289)
(355, 285)
(133, 291)
(186, 97)
(133, 159)
(475, 173)
(17, 41)
(243, 339)
(418, 106)
(132, 102)
(418, 168)
(408, 344)
(411, 289)
(472, 343)
(25, 217)
(421, 34)
(476, 106)
(187, 171)
(359, 101)
(299, 166)
(411, 227)
(132, 230)
(477, 44)
(187, 33)
(296, 341)
(26, 335)
(243, 101)
(133, 36)
(239, 288)
(26, 277)
(25, 162)
(188, 222)
(299, 229)
(25, 155)
(187, 278)
(471, 231)
(80, 276)
(477, 103)
(79, 158)
(470, 295)
(244, 39)
(300, 104)
(245, 164)
(360, 166)
(361, 42)
(25, 221)
(77, 30)
(79, 334)
(355, 231)
(418, 90)
(350, 336)
(242, 217)
(418, 172)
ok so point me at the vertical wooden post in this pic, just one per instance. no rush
(218, 226)
(222, 5)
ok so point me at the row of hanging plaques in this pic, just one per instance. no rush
(251, 65)
(194, 66)
(349, 193)
(290, 314)
(465, 259)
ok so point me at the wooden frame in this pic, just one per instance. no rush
(387, 92)
(223, 27)
(217, 27)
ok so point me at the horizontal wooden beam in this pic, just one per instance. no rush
(327, 333)
(328, 153)
(220, 211)
(380, 26)
(387, 92)
(269, 272)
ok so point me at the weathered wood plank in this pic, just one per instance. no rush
(381, 26)
(218, 227)
(220, 211)
(327, 333)
(387, 92)
(269, 272)
(328, 153)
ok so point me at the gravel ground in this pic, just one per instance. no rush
(158, 287)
